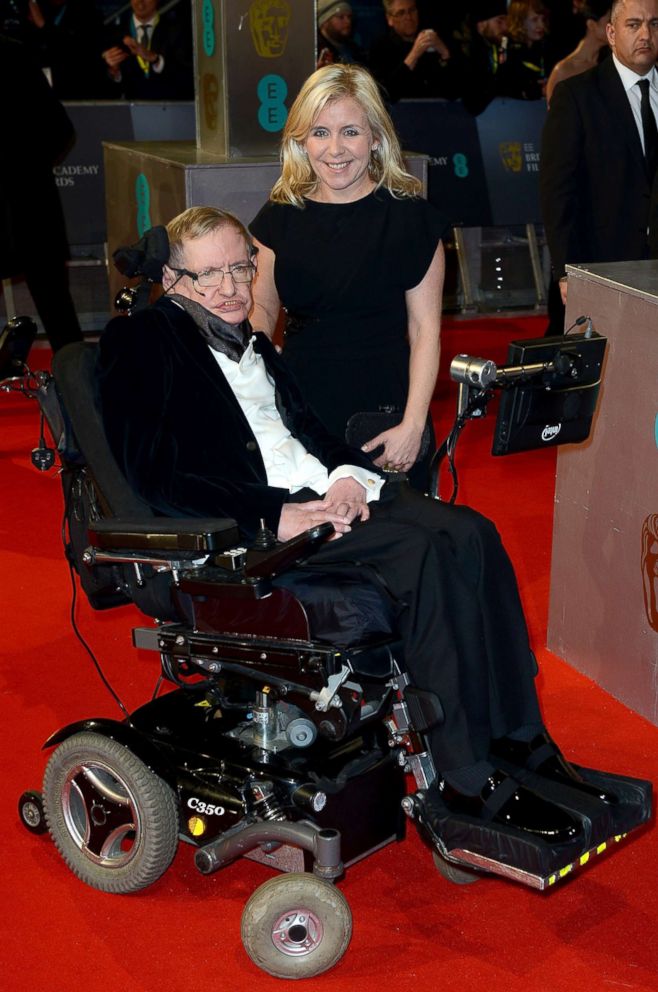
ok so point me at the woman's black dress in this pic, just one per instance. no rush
(341, 272)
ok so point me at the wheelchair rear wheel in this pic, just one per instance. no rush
(113, 820)
(296, 926)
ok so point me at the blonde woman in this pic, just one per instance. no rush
(354, 255)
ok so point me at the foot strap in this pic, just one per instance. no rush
(538, 757)
(494, 803)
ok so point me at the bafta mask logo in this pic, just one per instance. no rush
(210, 89)
(650, 568)
(510, 154)
(269, 20)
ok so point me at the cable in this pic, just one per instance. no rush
(74, 599)
(478, 401)
(577, 323)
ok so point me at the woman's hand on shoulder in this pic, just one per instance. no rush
(401, 447)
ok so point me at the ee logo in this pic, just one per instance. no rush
(460, 163)
(272, 91)
(208, 19)
(143, 198)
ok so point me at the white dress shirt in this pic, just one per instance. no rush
(629, 80)
(287, 462)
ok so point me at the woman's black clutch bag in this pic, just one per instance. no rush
(364, 425)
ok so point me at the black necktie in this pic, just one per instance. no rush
(649, 128)
(144, 35)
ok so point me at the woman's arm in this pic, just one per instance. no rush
(402, 443)
(267, 304)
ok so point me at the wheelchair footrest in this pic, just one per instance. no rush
(499, 850)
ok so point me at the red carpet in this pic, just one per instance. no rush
(412, 929)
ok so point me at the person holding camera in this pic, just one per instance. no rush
(149, 56)
(411, 63)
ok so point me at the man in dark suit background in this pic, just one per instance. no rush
(600, 152)
(149, 56)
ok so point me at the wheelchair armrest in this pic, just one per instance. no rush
(267, 564)
(176, 534)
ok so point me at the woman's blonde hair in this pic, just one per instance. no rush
(337, 82)
(196, 222)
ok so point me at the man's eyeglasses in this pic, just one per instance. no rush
(211, 278)
(405, 12)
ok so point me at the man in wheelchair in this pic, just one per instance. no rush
(205, 420)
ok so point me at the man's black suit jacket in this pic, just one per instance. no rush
(177, 430)
(172, 39)
(596, 193)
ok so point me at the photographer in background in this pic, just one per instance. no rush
(149, 56)
(485, 43)
(335, 41)
(409, 62)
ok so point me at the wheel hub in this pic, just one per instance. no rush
(101, 814)
(31, 814)
(297, 932)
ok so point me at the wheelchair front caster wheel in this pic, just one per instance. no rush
(455, 874)
(296, 926)
(30, 810)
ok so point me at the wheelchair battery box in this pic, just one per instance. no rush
(499, 850)
(364, 803)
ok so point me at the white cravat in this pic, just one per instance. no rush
(287, 462)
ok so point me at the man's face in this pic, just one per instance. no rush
(494, 28)
(403, 18)
(338, 27)
(633, 35)
(144, 10)
(223, 249)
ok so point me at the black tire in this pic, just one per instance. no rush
(296, 926)
(454, 873)
(113, 820)
(30, 810)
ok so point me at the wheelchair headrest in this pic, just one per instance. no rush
(145, 258)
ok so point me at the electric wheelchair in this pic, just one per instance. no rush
(289, 729)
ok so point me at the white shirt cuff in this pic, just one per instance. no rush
(371, 482)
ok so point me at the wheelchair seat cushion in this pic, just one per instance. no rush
(346, 605)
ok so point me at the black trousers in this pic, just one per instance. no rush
(463, 627)
(48, 283)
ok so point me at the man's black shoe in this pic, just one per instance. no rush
(503, 800)
(542, 756)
